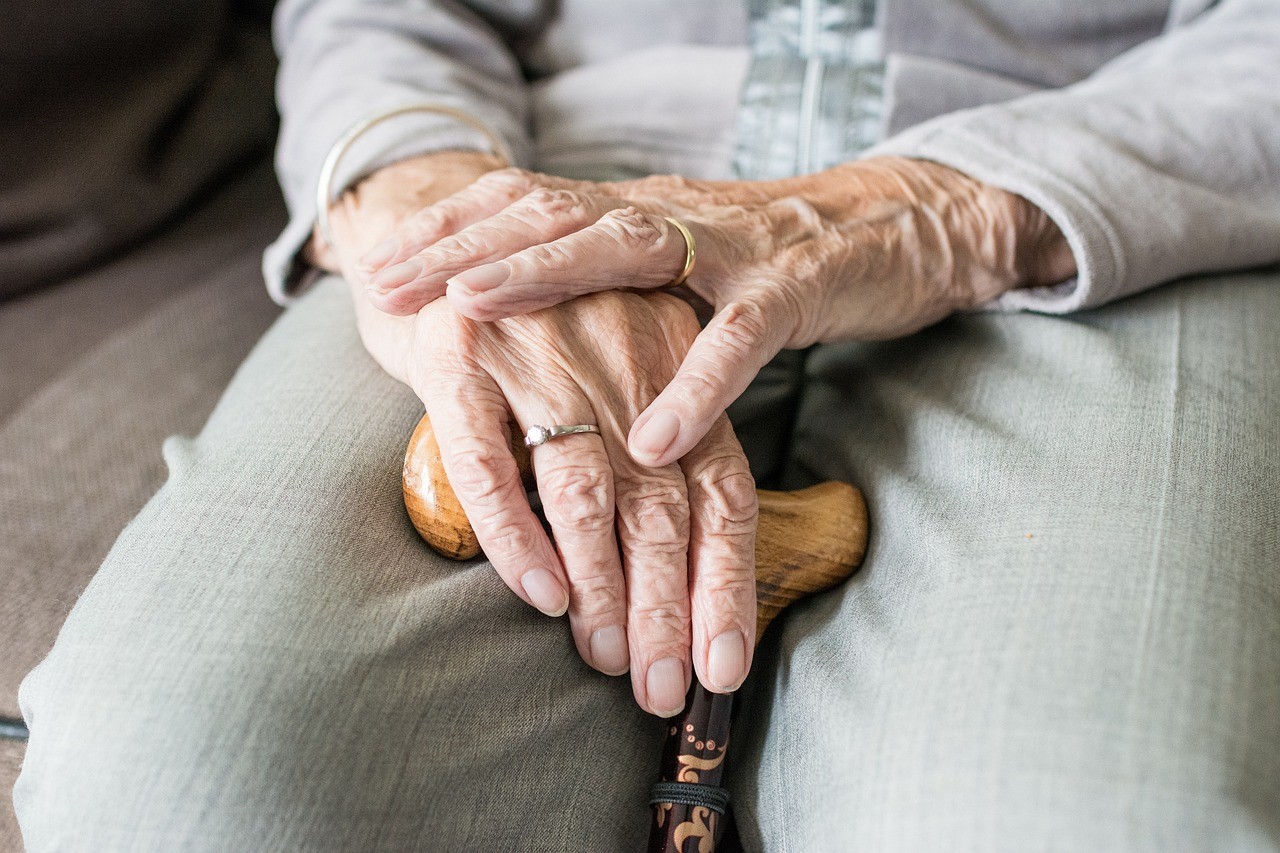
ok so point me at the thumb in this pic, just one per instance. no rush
(719, 366)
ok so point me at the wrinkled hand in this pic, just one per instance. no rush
(872, 249)
(676, 571)
(655, 565)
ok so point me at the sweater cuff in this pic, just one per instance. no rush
(1092, 240)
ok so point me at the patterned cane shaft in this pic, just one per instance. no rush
(688, 802)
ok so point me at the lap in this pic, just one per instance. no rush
(269, 652)
(1067, 631)
(270, 641)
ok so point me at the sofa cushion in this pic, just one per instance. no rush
(97, 371)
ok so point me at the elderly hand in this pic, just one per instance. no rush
(871, 249)
(650, 563)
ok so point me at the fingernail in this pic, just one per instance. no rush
(726, 660)
(379, 255)
(657, 434)
(609, 650)
(479, 279)
(545, 592)
(396, 276)
(665, 684)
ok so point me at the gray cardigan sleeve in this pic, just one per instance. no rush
(1164, 163)
(344, 60)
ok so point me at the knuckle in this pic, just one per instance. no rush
(407, 299)
(666, 617)
(745, 325)
(544, 258)
(799, 213)
(678, 317)
(656, 516)
(631, 228)
(731, 503)
(509, 540)
(459, 343)
(611, 313)
(607, 306)
(555, 203)
(428, 223)
(731, 597)
(489, 306)
(579, 498)
(465, 245)
(663, 185)
(478, 471)
(698, 383)
(597, 593)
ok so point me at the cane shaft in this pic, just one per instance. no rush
(691, 771)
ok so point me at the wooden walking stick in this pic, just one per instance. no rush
(807, 541)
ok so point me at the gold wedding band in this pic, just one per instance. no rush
(690, 254)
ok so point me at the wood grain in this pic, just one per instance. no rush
(433, 506)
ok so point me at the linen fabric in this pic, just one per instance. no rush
(1066, 635)
(815, 94)
(135, 199)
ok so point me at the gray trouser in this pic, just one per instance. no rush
(1066, 635)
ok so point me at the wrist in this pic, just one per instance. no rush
(1000, 240)
(416, 182)
(1008, 241)
(372, 208)
(1046, 257)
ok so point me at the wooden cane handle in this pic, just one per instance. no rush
(807, 541)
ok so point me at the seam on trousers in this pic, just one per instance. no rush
(1153, 565)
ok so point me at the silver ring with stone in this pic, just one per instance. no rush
(539, 434)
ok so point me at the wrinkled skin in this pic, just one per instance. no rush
(877, 248)
(655, 565)
(655, 520)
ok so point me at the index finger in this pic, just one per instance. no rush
(723, 513)
(740, 339)
(487, 195)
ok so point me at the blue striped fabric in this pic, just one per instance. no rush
(814, 95)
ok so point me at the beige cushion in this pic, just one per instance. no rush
(94, 374)
(11, 752)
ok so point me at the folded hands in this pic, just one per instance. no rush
(654, 520)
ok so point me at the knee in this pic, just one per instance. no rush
(158, 753)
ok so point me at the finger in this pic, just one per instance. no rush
(622, 247)
(725, 357)
(542, 216)
(471, 425)
(653, 533)
(575, 482)
(722, 532)
(484, 197)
